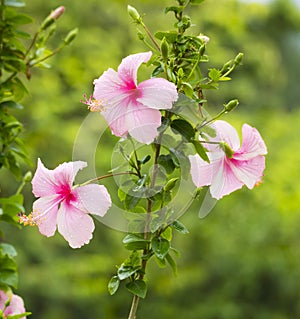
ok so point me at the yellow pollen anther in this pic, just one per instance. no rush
(93, 104)
(26, 220)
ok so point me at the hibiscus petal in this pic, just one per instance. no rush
(142, 123)
(127, 70)
(226, 133)
(65, 173)
(157, 93)
(201, 171)
(45, 213)
(43, 181)
(108, 89)
(16, 307)
(74, 225)
(252, 145)
(93, 199)
(116, 119)
(249, 171)
(224, 181)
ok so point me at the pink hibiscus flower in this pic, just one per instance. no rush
(15, 305)
(128, 107)
(66, 207)
(231, 165)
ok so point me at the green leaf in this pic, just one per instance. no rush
(160, 247)
(21, 315)
(11, 104)
(170, 36)
(167, 162)
(8, 266)
(14, 3)
(138, 288)
(161, 263)
(188, 89)
(177, 225)
(21, 19)
(145, 159)
(183, 128)
(167, 234)
(135, 242)
(113, 285)
(214, 74)
(126, 271)
(131, 201)
(200, 150)
(172, 263)
(196, 1)
(8, 250)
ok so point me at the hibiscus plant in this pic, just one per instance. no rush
(169, 150)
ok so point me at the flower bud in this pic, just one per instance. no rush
(164, 49)
(47, 23)
(231, 105)
(238, 59)
(134, 14)
(226, 66)
(171, 184)
(55, 14)
(28, 177)
(71, 36)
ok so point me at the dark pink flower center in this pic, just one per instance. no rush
(66, 193)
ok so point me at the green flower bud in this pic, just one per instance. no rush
(171, 184)
(231, 105)
(71, 36)
(226, 66)
(238, 58)
(164, 49)
(134, 14)
(54, 15)
(202, 50)
(47, 23)
(28, 177)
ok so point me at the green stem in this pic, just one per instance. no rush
(133, 309)
(212, 120)
(106, 176)
(135, 300)
(150, 36)
(46, 57)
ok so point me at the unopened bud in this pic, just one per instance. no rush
(202, 49)
(171, 184)
(134, 14)
(226, 66)
(71, 36)
(164, 49)
(231, 105)
(238, 59)
(55, 14)
(28, 177)
(47, 23)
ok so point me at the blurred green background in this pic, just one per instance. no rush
(243, 259)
